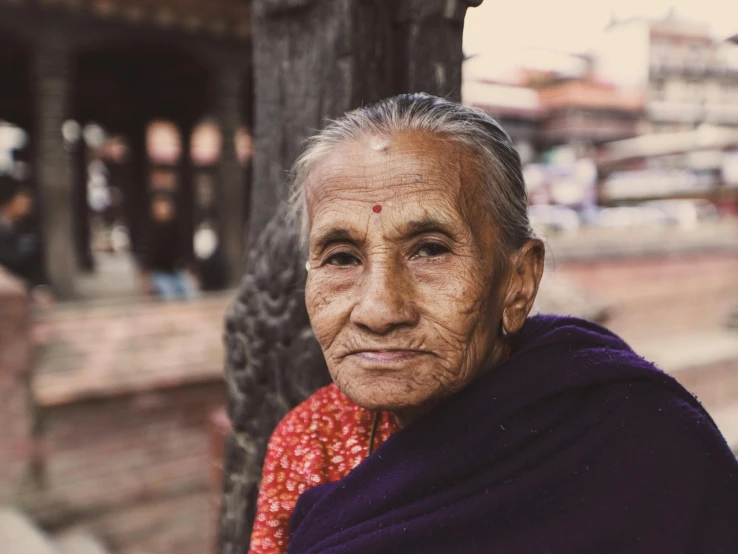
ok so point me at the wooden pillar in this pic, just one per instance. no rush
(316, 59)
(135, 194)
(81, 212)
(186, 194)
(52, 164)
(231, 178)
(424, 31)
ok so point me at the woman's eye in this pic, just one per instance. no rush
(342, 258)
(430, 250)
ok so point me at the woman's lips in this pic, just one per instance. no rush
(386, 356)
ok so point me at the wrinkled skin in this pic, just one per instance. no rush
(408, 304)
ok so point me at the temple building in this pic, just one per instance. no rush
(689, 76)
(137, 96)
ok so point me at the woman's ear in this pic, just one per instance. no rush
(526, 269)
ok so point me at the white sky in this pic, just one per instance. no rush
(497, 27)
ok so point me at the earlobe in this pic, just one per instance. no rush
(513, 318)
(526, 272)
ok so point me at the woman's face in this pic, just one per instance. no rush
(404, 289)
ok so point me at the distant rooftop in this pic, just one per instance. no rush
(502, 99)
(590, 94)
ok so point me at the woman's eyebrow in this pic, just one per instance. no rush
(427, 225)
(329, 235)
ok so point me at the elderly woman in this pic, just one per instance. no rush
(456, 423)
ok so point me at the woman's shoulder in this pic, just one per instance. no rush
(670, 423)
(324, 409)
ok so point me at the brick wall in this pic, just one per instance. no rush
(169, 525)
(121, 464)
(123, 394)
(656, 297)
(16, 443)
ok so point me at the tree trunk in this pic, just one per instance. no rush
(313, 60)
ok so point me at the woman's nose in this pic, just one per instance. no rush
(385, 301)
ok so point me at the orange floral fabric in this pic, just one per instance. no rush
(320, 441)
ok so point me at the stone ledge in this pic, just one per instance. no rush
(690, 352)
(101, 350)
(727, 421)
(597, 244)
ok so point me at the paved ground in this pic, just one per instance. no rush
(114, 277)
(79, 542)
(19, 535)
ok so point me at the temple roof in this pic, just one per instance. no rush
(222, 18)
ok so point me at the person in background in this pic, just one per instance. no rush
(20, 249)
(163, 258)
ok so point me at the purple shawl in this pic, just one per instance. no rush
(574, 445)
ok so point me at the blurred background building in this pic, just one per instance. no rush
(112, 436)
(121, 99)
(651, 110)
(688, 75)
(106, 395)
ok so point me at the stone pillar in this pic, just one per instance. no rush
(231, 179)
(52, 163)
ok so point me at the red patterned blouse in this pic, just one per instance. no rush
(320, 441)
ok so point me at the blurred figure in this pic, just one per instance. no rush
(163, 258)
(20, 249)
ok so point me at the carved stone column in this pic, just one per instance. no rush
(52, 162)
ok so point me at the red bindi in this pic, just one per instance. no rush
(377, 209)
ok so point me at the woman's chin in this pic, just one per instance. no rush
(389, 397)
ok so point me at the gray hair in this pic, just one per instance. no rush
(498, 161)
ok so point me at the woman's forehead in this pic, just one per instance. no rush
(372, 169)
